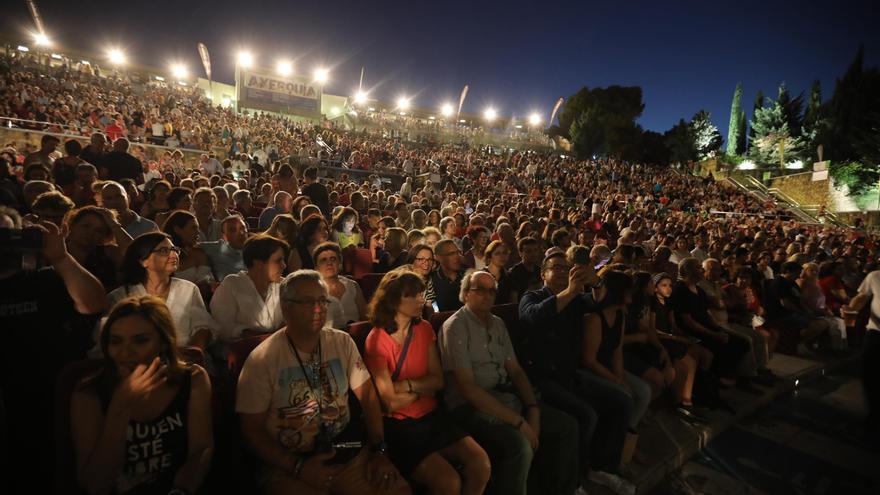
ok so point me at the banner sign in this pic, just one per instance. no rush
(266, 90)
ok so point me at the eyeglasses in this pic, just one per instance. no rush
(424, 260)
(323, 303)
(165, 251)
(484, 290)
(331, 259)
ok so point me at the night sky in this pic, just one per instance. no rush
(516, 56)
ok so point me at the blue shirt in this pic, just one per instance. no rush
(224, 258)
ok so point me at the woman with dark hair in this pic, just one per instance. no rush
(475, 257)
(644, 355)
(180, 198)
(248, 302)
(97, 241)
(157, 199)
(496, 256)
(142, 423)
(602, 361)
(347, 302)
(401, 354)
(284, 227)
(149, 263)
(421, 261)
(377, 241)
(312, 232)
(183, 229)
(344, 229)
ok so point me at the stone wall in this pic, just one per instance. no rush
(803, 189)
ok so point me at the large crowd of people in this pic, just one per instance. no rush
(523, 311)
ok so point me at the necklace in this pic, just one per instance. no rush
(314, 368)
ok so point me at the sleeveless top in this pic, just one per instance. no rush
(610, 339)
(155, 450)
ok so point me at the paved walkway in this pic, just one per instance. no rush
(799, 439)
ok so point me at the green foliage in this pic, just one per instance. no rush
(733, 130)
(680, 142)
(856, 175)
(707, 139)
(759, 104)
(741, 133)
(774, 141)
(791, 109)
(601, 121)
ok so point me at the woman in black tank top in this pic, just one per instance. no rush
(142, 424)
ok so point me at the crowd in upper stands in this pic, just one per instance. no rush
(460, 319)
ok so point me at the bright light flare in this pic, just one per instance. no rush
(41, 39)
(116, 56)
(321, 75)
(284, 68)
(245, 59)
(446, 109)
(534, 119)
(360, 97)
(490, 114)
(403, 103)
(179, 70)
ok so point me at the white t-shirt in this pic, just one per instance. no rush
(342, 311)
(272, 380)
(185, 304)
(871, 287)
(237, 305)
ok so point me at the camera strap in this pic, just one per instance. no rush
(315, 369)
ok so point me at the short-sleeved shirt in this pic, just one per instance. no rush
(272, 380)
(466, 343)
(386, 352)
(871, 287)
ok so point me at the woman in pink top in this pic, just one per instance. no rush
(402, 356)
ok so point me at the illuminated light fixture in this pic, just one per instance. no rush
(245, 59)
(116, 56)
(403, 103)
(462, 121)
(490, 114)
(226, 102)
(360, 98)
(57, 56)
(321, 75)
(402, 113)
(371, 109)
(446, 109)
(795, 165)
(160, 78)
(181, 83)
(334, 110)
(179, 71)
(23, 48)
(85, 62)
(431, 118)
(534, 119)
(284, 68)
(518, 126)
(41, 39)
(747, 165)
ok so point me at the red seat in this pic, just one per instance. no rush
(369, 283)
(359, 331)
(357, 262)
(238, 352)
(65, 457)
(437, 320)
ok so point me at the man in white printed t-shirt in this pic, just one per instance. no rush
(869, 291)
(293, 402)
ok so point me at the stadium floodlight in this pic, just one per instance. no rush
(116, 56)
(446, 109)
(321, 75)
(490, 114)
(360, 97)
(41, 39)
(403, 103)
(179, 70)
(245, 59)
(534, 119)
(284, 68)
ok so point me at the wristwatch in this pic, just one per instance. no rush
(380, 448)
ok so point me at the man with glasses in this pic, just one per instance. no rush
(293, 400)
(553, 321)
(446, 279)
(490, 396)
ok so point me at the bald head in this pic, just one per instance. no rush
(114, 197)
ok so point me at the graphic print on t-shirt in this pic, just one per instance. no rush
(300, 419)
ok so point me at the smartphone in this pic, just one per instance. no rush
(435, 306)
(601, 264)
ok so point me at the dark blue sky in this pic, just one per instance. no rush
(517, 56)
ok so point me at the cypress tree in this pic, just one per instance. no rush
(759, 104)
(733, 130)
